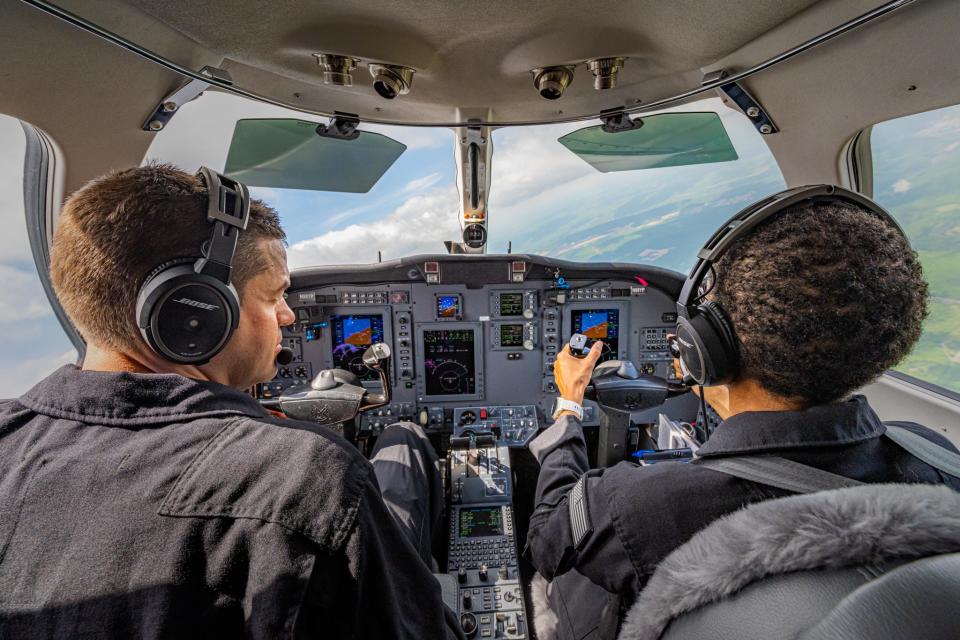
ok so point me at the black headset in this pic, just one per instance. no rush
(187, 309)
(705, 340)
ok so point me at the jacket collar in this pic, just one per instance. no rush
(838, 423)
(119, 398)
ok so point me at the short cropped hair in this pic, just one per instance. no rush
(823, 299)
(118, 228)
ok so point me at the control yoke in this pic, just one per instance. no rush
(335, 396)
(619, 389)
(377, 358)
(617, 386)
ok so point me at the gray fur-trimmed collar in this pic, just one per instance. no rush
(830, 529)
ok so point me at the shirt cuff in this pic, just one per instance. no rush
(565, 429)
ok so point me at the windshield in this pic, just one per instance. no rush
(544, 199)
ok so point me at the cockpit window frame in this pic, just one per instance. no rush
(42, 181)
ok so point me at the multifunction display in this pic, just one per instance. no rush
(476, 522)
(599, 324)
(511, 304)
(351, 337)
(449, 362)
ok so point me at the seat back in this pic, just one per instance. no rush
(787, 567)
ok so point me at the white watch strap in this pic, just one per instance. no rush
(562, 404)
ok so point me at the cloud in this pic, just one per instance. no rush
(901, 186)
(14, 245)
(949, 125)
(415, 137)
(652, 255)
(951, 147)
(267, 194)
(419, 225)
(21, 297)
(16, 378)
(420, 184)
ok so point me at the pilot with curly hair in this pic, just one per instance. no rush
(819, 300)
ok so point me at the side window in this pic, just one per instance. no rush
(916, 165)
(32, 342)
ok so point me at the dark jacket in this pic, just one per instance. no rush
(638, 515)
(155, 506)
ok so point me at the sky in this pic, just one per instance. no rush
(543, 199)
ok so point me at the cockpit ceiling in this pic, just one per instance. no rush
(471, 59)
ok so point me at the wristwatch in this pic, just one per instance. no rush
(562, 404)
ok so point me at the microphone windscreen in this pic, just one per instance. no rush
(285, 356)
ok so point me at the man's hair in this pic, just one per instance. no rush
(823, 298)
(120, 227)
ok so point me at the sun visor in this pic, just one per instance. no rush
(663, 140)
(290, 154)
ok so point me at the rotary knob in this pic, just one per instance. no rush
(468, 622)
(483, 572)
(528, 345)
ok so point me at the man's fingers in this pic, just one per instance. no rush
(595, 351)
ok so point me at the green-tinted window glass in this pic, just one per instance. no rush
(289, 154)
(663, 140)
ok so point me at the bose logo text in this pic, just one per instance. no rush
(197, 304)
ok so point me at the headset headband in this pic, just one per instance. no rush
(228, 208)
(747, 219)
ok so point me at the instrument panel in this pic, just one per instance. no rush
(472, 334)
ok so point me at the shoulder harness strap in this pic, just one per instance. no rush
(930, 452)
(778, 472)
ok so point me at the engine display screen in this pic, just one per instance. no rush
(448, 362)
(599, 324)
(481, 521)
(511, 335)
(511, 304)
(449, 307)
(351, 337)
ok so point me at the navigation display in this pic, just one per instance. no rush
(599, 324)
(511, 335)
(480, 521)
(351, 337)
(448, 362)
(511, 304)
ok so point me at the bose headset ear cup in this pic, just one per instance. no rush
(707, 345)
(725, 356)
(187, 312)
(185, 316)
(691, 354)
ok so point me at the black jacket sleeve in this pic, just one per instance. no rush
(378, 588)
(598, 554)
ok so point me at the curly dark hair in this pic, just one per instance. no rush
(823, 298)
